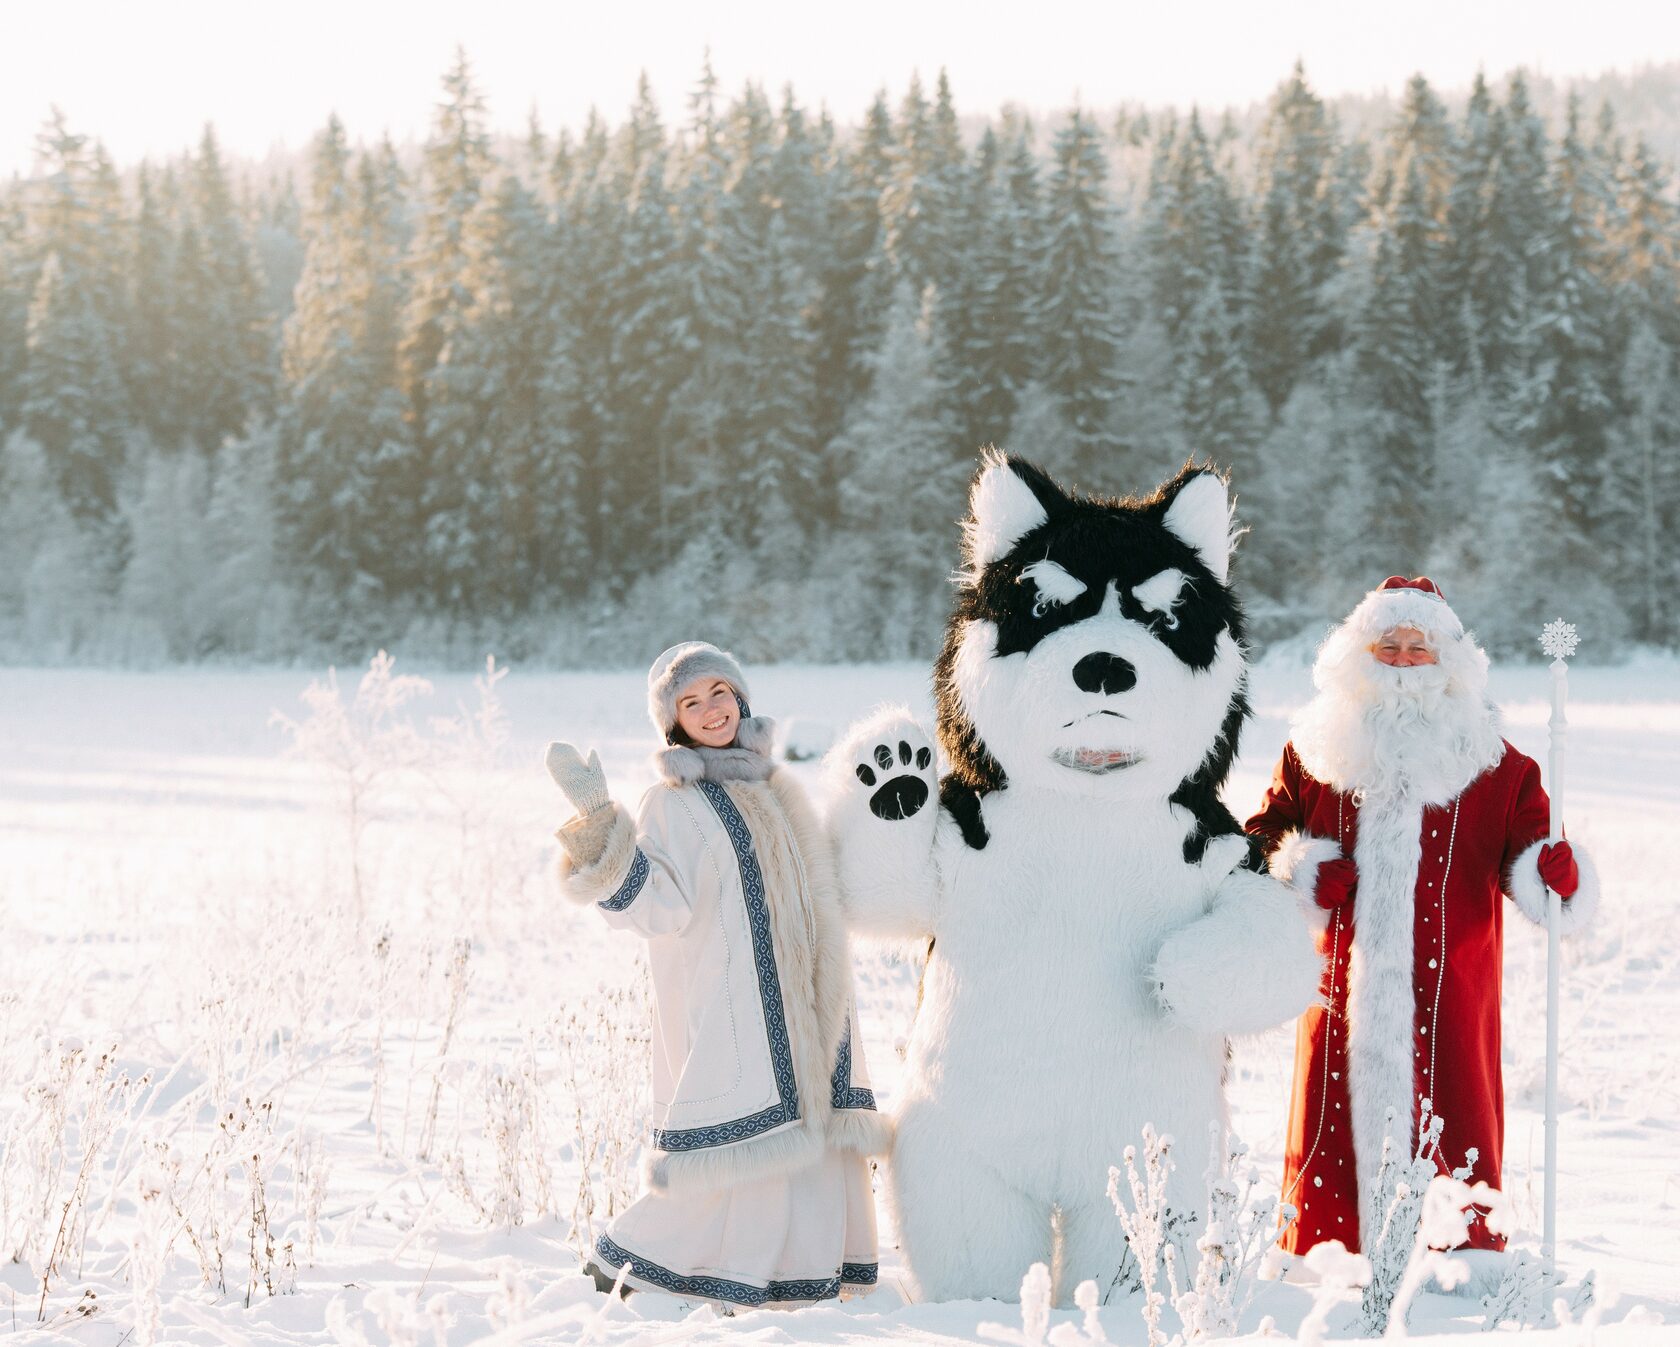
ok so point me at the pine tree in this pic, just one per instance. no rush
(1077, 321)
(72, 400)
(924, 189)
(1214, 386)
(15, 288)
(343, 447)
(445, 263)
(1301, 238)
(856, 280)
(1516, 231)
(226, 332)
(1395, 344)
(1565, 401)
(152, 361)
(1471, 277)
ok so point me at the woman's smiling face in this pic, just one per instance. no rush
(707, 712)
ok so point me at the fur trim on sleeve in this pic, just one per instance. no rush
(1296, 863)
(862, 1131)
(599, 880)
(1529, 891)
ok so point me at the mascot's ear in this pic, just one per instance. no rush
(1199, 513)
(1009, 499)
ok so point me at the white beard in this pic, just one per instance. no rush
(1418, 735)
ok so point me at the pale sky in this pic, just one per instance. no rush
(145, 75)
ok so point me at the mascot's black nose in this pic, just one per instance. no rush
(1104, 673)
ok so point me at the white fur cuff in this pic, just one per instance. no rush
(585, 884)
(1296, 863)
(1529, 891)
(862, 1131)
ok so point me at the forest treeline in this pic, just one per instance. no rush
(724, 374)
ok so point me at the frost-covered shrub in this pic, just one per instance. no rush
(1237, 1231)
(605, 1047)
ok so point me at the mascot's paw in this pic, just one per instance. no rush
(886, 764)
(902, 790)
(883, 809)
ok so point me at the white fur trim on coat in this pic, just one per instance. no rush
(599, 880)
(747, 759)
(1381, 1001)
(1296, 863)
(1529, 891)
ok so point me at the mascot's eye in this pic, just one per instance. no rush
(1054, 585)
(1161, 594)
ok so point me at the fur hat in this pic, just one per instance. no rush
(1399, 602)
(679, 666)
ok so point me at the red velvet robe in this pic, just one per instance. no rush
(1466, 849)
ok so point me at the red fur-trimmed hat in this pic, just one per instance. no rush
(1399, 602)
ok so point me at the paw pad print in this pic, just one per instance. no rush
(901, 795)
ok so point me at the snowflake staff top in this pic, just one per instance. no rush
(1558, 639)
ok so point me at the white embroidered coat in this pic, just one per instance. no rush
(757, 1065)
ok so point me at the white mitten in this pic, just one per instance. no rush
(583, 783)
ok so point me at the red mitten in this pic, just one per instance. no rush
(1557, 867)
(1335, 884)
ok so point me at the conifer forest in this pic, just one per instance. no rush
(723, 370)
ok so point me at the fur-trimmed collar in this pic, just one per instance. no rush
(747, 759)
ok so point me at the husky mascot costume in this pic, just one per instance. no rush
(1099, 923)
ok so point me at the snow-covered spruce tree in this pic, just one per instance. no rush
(1644, 495)
(991, 319)
(643, 314)
(249, 610)
(856, 278)
(226, 333)
(1078, 336)
(168, 562)
(1300, 238)
(71, 395)
(152, 360)
(15, 288)
(901, 466)
(1215, 394)
(921, 200)
(1396, 362)
(446, 263)
(1565, 405)
(1471, 266)
(1517, 236)
(960, 372)
(342, 497)
(1193, 229)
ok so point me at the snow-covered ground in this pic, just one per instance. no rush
(280, 980)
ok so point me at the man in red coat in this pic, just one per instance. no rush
(1401, 815)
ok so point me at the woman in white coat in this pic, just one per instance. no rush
(756, 1189)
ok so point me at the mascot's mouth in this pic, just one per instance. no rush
(1097, 761)
(1092, 716)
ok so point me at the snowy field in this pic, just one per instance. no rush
(296, 1049)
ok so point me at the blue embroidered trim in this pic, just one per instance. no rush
(633, 884)
(721, 1288)
(860, 1274)
(721, 1134)
(842, 1093)
(769, 991)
